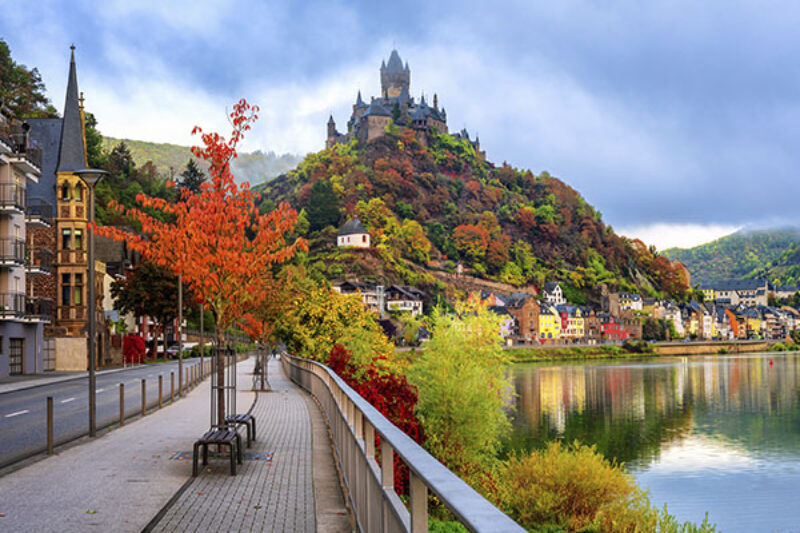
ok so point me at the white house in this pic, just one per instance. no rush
(353, 233)
(553, 293)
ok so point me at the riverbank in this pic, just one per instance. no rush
(530, 354)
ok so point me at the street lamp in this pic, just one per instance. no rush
(91, 177)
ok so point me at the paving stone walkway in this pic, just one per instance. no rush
(273, 490)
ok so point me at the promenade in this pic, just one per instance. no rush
(138, 476)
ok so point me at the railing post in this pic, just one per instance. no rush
(387, 465)
(160, 390)
(49, 425)
(171, 387)
(419, 504)
(121, 404)
(144, 397)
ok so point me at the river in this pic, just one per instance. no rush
(702, 433)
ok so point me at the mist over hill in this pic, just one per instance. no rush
(170, 160)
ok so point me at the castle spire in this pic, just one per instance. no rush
(72, 154)
(359, 101)
(436, 101)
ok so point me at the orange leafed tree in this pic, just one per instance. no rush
(217, 239)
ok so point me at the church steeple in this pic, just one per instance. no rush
(72, 153)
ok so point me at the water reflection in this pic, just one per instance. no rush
(702, 424)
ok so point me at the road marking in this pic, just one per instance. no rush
(68, 400)
(98, 391)
(17, 413)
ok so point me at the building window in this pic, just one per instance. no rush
(79, 193)
(78, 239)
(65, 288)
(65, 192)
(77, 292)
(66, 239)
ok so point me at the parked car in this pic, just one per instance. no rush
(172, 351)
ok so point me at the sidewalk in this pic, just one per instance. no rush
(123, 479)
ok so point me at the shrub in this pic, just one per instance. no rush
(574, 488)
(133, 348)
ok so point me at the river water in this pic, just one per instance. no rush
(702, 433)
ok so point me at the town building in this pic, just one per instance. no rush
(553, 294)
(63, 141)
(524, 308)
(734, 292)
(22, 312)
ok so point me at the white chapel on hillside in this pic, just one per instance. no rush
(353, 233)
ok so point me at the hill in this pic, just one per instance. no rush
(431, 205)
(767, 254)
(170, 159)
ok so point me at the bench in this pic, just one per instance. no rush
(248, 421)
(220, 437)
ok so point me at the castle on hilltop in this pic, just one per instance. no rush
(368, 122)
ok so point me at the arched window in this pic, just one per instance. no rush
(79, 192)
(65, 192)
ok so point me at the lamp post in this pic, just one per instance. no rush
(180, 335)
(91, 177)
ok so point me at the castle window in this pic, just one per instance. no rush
(79, 193)
(65, 192)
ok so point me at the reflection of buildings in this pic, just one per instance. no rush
(633, 408)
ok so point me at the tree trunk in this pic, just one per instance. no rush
(220, 356)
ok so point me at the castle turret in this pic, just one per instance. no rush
(395, 78)
(331, 127)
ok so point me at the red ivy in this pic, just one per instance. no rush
(391, 394)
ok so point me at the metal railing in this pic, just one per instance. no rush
(15, 135)
(38, 308)
(354, 424)
(39, 210)
(12, 304)
(39, 259)
(12, 251)
(12, 196)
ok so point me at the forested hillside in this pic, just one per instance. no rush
(428, 207)
(769, 254)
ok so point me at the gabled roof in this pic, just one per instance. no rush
(72, 155)
(550, 286)
(517, 299)
(352, 227)
(375, 108)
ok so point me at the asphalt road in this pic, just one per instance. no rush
(23, 413)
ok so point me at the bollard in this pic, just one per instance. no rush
(160, 385)
(121, 404)
(185, 381)
(171, 387)
(49, 425)
(144, 397)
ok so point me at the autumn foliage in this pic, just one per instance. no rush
(216, 239)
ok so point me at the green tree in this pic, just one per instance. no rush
(22, 90)
(94, 143)
(151, 291)
(192, 177)
(322, 209)
(463, 389)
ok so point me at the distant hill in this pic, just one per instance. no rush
(170, 159)
(767, 254)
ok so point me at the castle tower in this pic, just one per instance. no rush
(395, 78)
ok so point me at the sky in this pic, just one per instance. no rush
(679, 120)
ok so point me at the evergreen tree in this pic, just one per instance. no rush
(22, 90)
(192, 177)
(94, 143)
(322, 209)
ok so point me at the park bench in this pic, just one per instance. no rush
(246, 420)
(220, 437)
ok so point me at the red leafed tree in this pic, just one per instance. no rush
(215, 238)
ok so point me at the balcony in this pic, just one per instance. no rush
(39, 213)
(39, 261)
(12, 305)
(12, 252)
(38, 309)
(12, 198)
(26, 157)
